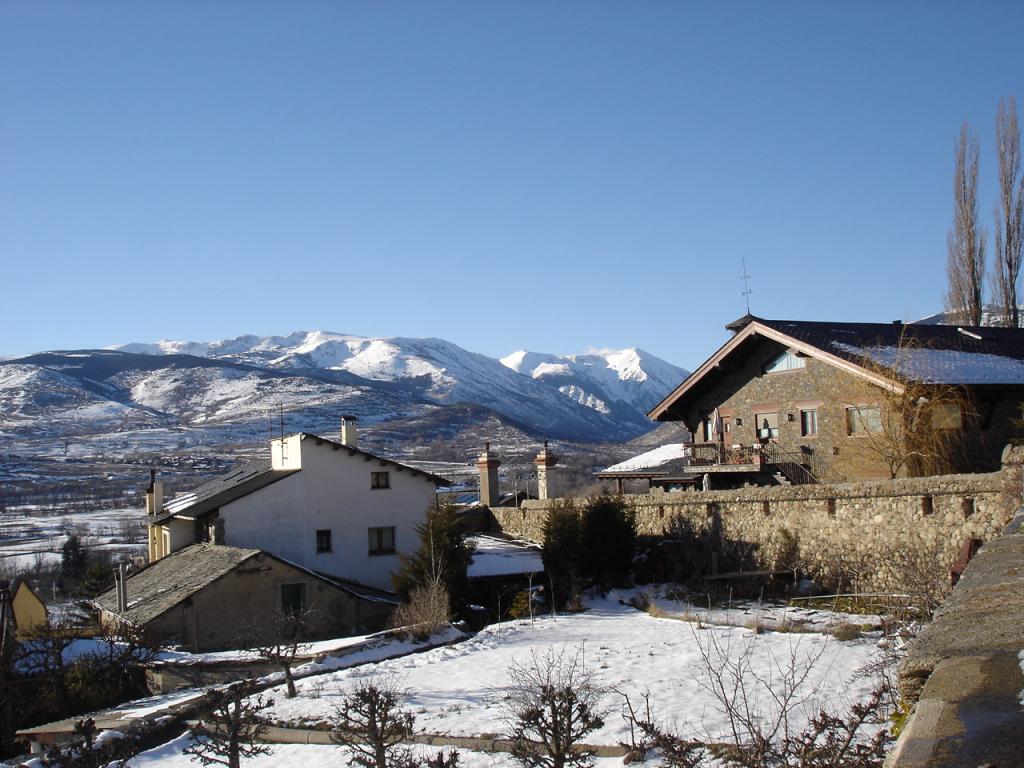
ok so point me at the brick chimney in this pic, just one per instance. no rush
(349, 433)
(488, 465)
(545, 483)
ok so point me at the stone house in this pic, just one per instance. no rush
(207, 597)
(796, 401)
(324, 505)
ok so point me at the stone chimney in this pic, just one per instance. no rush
(544, 462)
(488, 466)
(349, 433)
(154, 495)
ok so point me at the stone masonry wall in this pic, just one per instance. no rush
(842, 528)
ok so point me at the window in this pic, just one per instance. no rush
(787, 361)
(382, 541)
(323, 540)
(809, 422)
(293, 598)
(863, 419)
(947, 416)
(379, 480)
(767, 425)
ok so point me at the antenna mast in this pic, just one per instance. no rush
(747, 290)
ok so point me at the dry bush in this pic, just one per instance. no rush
(425, 614)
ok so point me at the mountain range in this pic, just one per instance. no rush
(229, 389)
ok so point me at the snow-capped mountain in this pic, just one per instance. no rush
(614, 387)
(173, 393)
(603, 379)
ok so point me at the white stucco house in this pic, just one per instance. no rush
(321, 504)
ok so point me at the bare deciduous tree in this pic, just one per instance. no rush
(965, 265)
(759, 706)
(1009, 229)
(552, 703)
(280, 639)
(229, 733)
(371, 724)
(912, 427)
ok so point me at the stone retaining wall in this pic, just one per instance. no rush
(843, 529)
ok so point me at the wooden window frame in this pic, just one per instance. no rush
(863, 432)
(323, 535)
(380, 481)
(809, 435)
(375, 540)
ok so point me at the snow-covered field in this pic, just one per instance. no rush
(29, 538)
(458, 689)
(321, 756)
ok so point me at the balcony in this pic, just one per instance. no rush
(797, 467)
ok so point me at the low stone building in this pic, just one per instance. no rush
(207, 597)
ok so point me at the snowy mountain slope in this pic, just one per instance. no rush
(30, 395)
(604, 378)
(99, 391)
(599, 396)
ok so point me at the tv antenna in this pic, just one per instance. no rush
(747, 290)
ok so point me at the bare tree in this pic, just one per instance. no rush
(965, 265)
(759, 707)
(229, 733)
(371, 724)
(281, 639)
(911, 427)
(552, 703)
(1009, 229)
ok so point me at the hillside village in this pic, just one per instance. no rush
(813, 449)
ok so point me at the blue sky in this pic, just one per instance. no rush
(547, 175)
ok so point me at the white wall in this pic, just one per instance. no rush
(331, 492)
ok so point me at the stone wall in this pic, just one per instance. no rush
(842, 529)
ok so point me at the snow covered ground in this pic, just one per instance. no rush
(458, 689)
(321, 756)
(28, 537)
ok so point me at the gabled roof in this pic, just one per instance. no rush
(230, 486)
(354, 451)
(164, 584)
(937, 354)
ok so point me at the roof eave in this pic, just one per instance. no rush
(660, 411)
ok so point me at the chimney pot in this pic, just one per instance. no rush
(349, 431)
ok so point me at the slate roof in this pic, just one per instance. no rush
(936, 354)
(230, 486)
(978, 348)
(162, 585)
